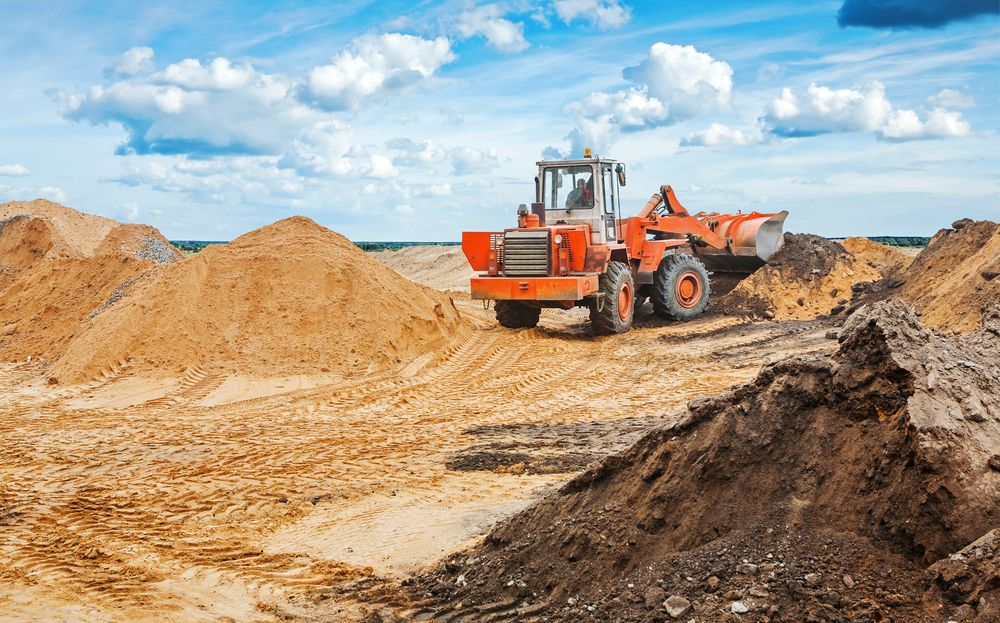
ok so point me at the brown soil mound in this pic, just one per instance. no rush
(971, 577)
(292, 297)
(956, 276)
(883, 258)
(815, 493)
(81, 233)
(810, 276)
(436, 266)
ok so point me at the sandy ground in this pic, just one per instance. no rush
(211, 498)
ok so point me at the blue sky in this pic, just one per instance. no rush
(417, 120)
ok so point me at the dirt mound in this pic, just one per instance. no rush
(971, 578)
(816, 492)
(81, 233)
(810, 276)
(25, 240)
(883, 258)
(435, 266)
(43, 307)
(141, 242)
(57, 267)
(292, 297)
(956, 276)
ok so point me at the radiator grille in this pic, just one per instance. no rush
(526, 253)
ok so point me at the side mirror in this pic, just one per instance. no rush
(621, 175)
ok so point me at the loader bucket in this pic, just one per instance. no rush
(756, 238)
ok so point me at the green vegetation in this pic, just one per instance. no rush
(392, 246)
(193, 246)
(902, 241)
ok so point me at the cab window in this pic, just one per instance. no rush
(610, 190)
(568, 188)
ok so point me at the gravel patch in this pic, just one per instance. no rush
(152, 248)
(113, 298)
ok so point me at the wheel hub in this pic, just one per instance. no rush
(688, 289)
(624, 302)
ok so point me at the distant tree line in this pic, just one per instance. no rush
(193, 246)
(902, 241)
(392, 246)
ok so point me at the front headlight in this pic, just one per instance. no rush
(558, 239)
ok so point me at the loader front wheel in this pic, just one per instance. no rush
(681, 288)
(614, 313)
(514, 315)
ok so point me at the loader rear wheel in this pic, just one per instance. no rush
(681, 288)
(514, 315)
(617, 307)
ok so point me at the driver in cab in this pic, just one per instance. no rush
(581, 197)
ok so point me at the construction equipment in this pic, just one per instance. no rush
(572, 249)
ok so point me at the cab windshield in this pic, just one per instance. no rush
(568, 188)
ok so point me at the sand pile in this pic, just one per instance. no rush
(25, 240)
(42, 308)
(289, 298)
(57, 266)
(956, 276)
(817, 492)
(435, 266)
(808, 277)
(80, 233)
(883, 258)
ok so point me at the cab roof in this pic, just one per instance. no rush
(549, 163)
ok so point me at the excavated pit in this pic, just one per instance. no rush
(797, 493)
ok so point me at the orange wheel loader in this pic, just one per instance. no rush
(573, 249)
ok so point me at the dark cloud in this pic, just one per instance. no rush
(912, 13)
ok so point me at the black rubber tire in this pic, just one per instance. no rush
(514, 315)
(664, 297)
(609, 320)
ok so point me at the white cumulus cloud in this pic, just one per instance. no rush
(487, 21)
(199, 111)
(906, 125)
(14, 170)
(604, 14)
(134, 61)
(672, 83)
(822, 110)
(715, 135)
(950, 98)
(220, 74)
(375, 67)
(687, 81)
(428, 154)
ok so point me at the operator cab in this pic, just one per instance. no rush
(574, 192)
